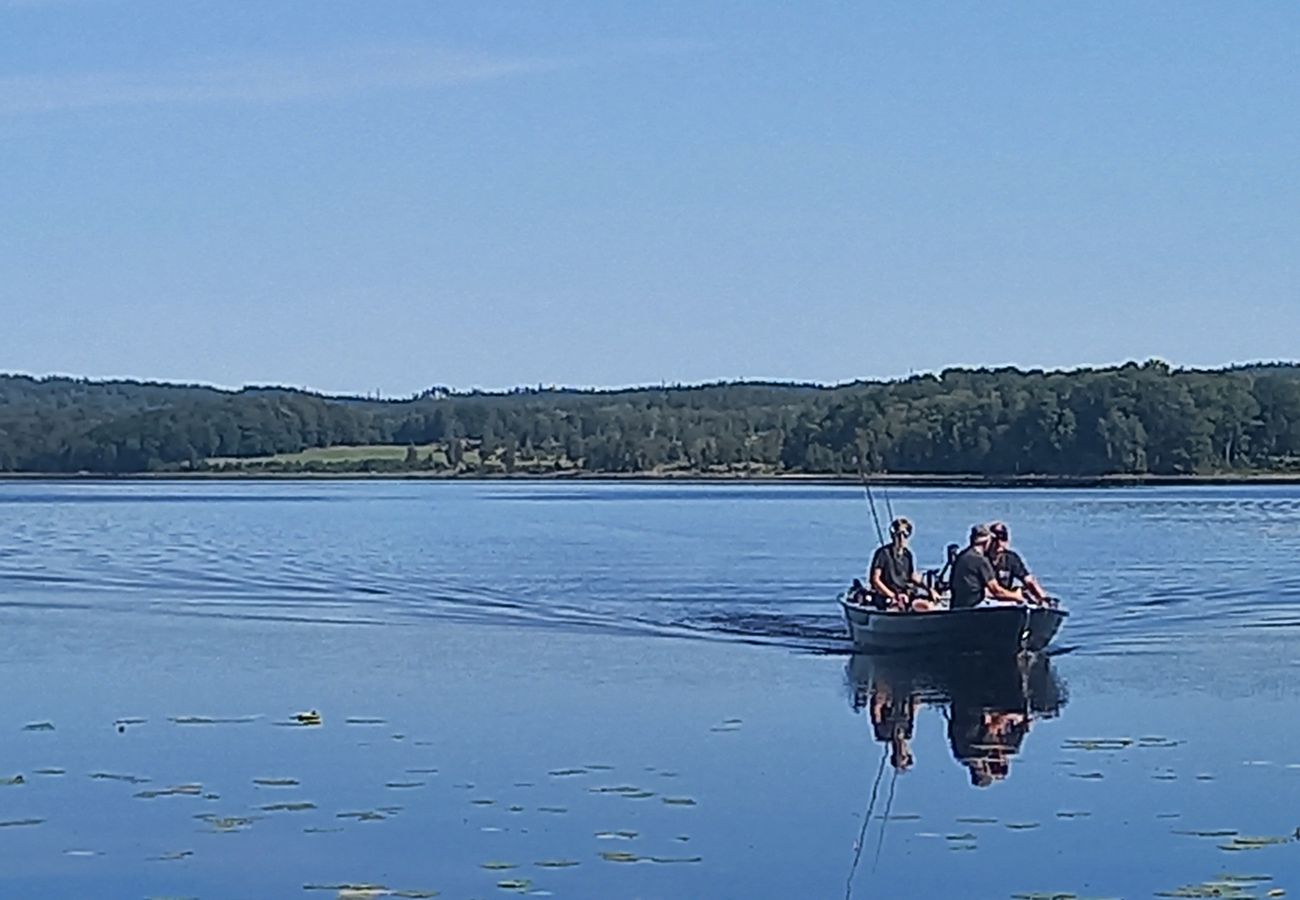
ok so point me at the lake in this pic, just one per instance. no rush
(614, 690)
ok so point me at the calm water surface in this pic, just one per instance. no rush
(630, 691)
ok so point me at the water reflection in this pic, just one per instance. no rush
(990, 704)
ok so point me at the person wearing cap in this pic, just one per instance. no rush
(893, 574)
(973, 576)
(1009, 566)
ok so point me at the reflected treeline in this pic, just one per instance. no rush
(990, 704)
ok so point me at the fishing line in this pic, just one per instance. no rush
(889, 805)
(866, 821)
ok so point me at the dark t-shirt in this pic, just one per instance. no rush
(895, 571)
(970, 573)
(1009, 568)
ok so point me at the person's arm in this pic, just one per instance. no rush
(998, 592)
(1034, 589)
(994, 588)
(1020, 572)
(878, 584)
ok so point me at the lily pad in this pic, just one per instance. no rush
(679, 801)
(1097, 743)
(619, 856)
(275, 782)
(556, 863)
(174, 856)
(364, 815)
(113, 776)
(300, 806)
(19, 823)
(179, 790)
(39, 726)
(498, 866)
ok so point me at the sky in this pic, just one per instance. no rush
(381, 195)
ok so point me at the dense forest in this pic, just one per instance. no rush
(1146, 419)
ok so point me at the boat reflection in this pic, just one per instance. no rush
(990, 704)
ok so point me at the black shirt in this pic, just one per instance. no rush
(1009, 568)
(895, 570)
(970, 573)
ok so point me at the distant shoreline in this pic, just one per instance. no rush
(938, 481)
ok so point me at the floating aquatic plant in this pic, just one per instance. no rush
(113, 776)
(679, 801)
(19, 823)
(299, 806)
(275, 782)
(174, 856)
(556, 863)
(498, 866)
(1097, 743)
(1207, 832)
(39, 726)
(179, 790)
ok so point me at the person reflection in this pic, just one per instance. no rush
(989, 704)
(984, 740)
(893, 719)
(892, 706)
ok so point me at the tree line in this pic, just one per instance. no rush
(1136, 419)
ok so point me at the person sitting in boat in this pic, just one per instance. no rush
(973, 577)
(1009, 566)
(894, 581)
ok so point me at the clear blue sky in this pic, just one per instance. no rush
(387, 195)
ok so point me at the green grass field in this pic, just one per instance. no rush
(351, 455)
(343, 454)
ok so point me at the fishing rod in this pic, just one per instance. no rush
(866, 822)
(866, 486)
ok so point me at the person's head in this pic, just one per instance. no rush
(900, 530)
(980, 537)
(980, 776)
(1000, 536)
